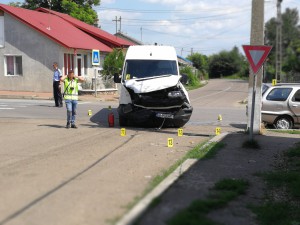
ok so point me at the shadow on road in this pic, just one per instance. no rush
(239, 125)
(52, 125)
(101, 117)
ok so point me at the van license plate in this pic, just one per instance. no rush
(165, 115)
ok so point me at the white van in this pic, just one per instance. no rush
(151, 93)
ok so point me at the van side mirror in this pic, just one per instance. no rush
(184, 79)
(117, 78)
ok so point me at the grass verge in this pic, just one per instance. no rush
(236, 77)
(222, 193)
(287, 131)
(193, 87)
(282, 204)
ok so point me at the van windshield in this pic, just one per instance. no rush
(149, 68)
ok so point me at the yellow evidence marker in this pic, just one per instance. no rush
(180, 132)
(220, 117)
(90, 112)
(123, 132)
(218, 130)
(274, 82)
(170, 142)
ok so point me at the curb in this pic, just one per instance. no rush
(130, 217)
(31, 97)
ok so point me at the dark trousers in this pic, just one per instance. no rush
(57, 93)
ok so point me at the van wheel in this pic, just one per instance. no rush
(123, 121)
(283, 122)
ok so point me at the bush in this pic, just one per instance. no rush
(193, 80)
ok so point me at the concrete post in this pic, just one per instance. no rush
(255, 82)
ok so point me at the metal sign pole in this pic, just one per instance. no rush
(95, 71)
(252, 107)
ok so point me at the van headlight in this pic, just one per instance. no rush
(174, 94)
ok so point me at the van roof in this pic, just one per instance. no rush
(152, 52)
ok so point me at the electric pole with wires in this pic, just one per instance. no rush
(117, 20)
(278, 42)
(255, 80)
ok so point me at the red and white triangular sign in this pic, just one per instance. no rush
(256, 55)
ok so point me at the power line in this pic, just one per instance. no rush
(166, 10)
(157, 22)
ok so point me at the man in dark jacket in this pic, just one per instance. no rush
(56, 85)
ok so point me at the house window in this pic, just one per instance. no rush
(13, 65)
(1, 31)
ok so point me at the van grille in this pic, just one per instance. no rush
(158, 98)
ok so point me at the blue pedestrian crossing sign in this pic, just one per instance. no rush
(96, 57)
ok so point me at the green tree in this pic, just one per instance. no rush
(113, 62)
(200, 62)
(292, 59)
(15, 4)
(79, 9)
(227, 63)
(290, 35)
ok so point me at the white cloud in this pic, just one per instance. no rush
(107, 1)
(165, 2)
(111, 14)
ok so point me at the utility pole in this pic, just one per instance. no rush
(141, 34)
(278, 41)
(117, 20)
(120, 19)
(255, 80)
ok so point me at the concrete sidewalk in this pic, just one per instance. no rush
(103, 96)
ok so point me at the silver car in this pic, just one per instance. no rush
(281, 106)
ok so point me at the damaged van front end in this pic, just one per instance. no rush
(151, 93)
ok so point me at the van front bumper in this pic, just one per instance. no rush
(148, 117)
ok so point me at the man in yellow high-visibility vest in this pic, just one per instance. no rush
(71, 96)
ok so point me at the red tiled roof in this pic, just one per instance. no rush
(56, 28)
(96, 32)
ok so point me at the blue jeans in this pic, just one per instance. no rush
(71, 106)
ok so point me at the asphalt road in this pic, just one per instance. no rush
(51, 175)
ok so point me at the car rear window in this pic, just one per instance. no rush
(296, 97)
(279, 94)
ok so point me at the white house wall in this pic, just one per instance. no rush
(38, 54)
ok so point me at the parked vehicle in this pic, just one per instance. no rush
(281, 106)
(151, 92)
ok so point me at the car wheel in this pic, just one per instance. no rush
(283, 123)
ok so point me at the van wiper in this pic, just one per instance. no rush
(155, 77)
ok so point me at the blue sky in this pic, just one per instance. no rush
(204, 26)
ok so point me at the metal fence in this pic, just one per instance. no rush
(292, 78)
(101, 82)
